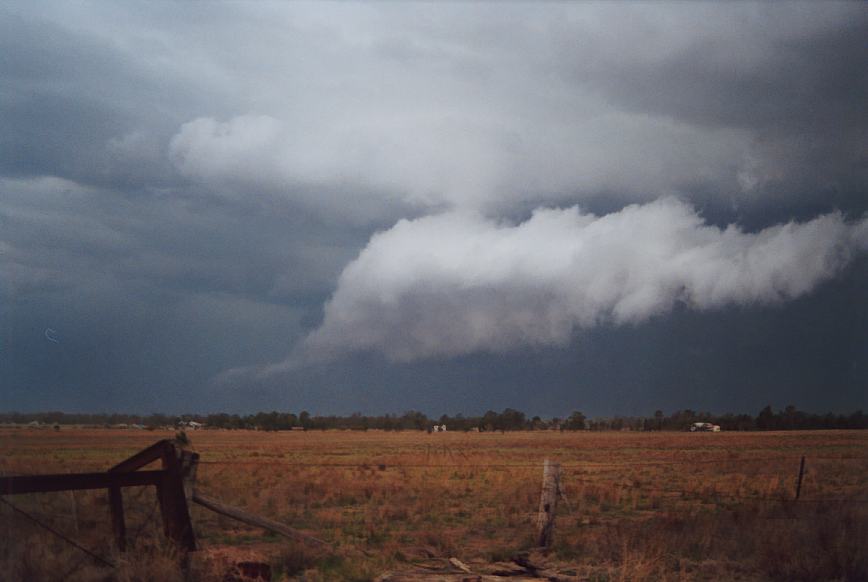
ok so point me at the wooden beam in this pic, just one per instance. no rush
(175, 527)
(155, 452)
(173, 501)
(189, 468)
(119, 527)
(75, 481)
(169, 483)
(254, 520)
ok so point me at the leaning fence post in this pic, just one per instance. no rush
(548, 503)
(801, 475)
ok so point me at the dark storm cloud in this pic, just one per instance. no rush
(446, 105)
(64, 96)
(149, 297)
(753, 67)
(181, 185)
(795, 81)
(82, 234)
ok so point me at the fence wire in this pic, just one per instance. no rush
(55, 532)
(578, 470)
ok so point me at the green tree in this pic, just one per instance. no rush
(576, 421)
(658, 416)
(304, 419)
(766, 419)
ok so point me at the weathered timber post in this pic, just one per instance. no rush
(170, 484)
(801, 475)
(189, 466)
(73, 502)
(189, 463)
(548, 503)
(116, 506)
(173, 500)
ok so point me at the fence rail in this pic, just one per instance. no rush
(77, 481)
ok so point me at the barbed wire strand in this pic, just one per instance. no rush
(469, 465)
(581, 467)
(60, 535)
(568, 466)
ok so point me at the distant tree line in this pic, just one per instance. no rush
(508, 420)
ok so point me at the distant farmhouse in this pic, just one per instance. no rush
(704, 427)
(192, 424)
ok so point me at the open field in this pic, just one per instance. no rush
(640, 506)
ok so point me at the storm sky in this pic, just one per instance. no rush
(449, 207)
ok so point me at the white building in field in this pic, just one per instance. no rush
(191, 424)
(704, 427)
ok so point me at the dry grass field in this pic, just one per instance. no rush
(639, 506)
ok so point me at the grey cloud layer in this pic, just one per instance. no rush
(451, 105)
(466, 110)
(457, 283)
(190, 158)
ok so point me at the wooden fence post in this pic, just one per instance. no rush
(189, 463)
(801, 475)
(116, 506)
(173, 501)
(548, 503)
(74, 510)
(174, 485)
(189, 467)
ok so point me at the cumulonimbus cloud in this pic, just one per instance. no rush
(459, 283)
